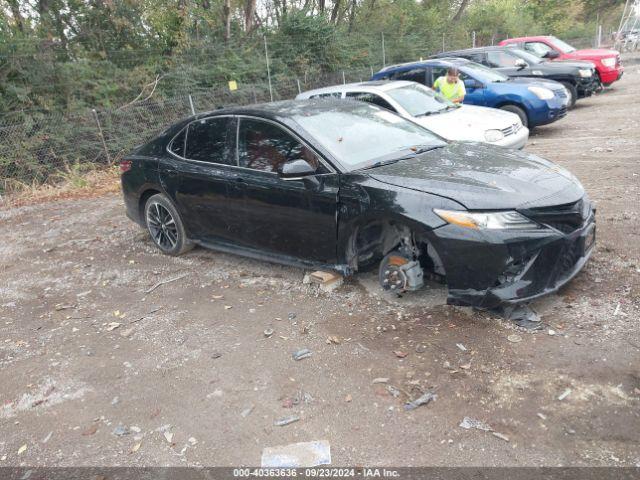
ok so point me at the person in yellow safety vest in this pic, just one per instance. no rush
(450, 86)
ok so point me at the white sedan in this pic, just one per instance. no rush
(411, 100)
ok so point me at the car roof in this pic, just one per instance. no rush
(425, 63)
(525, 39)
(453, 53)
(373, 86)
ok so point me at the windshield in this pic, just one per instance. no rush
(526, 56)
(419, 100)
(482, 73)
(563, 46)
(363, 134)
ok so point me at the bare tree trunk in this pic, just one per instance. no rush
(460, 11)
(335, 11)
(226, 15)
(321, 6)
(249, 14)
(352, 15)
(17, 16)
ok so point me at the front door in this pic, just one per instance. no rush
(291, 217)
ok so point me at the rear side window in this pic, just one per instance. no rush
(327, 95)
(207, 141)
(497, 59)
(371, 98)
(414, 75)
(177, 145)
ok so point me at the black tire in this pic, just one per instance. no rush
(165, 226)
(573, 93)
(518, 111)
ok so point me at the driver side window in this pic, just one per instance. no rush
(266, 147)
(539, 49)
(497, 59)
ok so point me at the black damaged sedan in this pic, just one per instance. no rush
(349, 186)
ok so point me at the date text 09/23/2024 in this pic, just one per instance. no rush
(318, 472)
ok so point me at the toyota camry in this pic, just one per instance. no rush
(350, 186)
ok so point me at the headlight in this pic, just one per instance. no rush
(509, 220)
(584, 73)
(541, 93)
(609, 62)
(493, 135)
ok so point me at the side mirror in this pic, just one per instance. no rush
(295, 169)
(551, 54)
(472, 84)
(520, 63)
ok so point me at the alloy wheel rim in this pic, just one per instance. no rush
(162, 226)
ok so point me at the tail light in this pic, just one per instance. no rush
(125, 166)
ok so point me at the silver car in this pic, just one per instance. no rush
(431, 110)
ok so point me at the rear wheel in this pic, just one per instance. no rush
(573, 93)
(518, 111)
(165, 226)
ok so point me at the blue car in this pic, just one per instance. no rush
(536, 102)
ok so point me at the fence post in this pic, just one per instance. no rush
(371, 67)
(473, 39)
(298, 82)
(266, 55)
(344, 80)
(443, 34)
(104, 143)
(384, 53)
(193, 110)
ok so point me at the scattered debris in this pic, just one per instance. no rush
(395, 393)
(168, 436)
(281, 422)
(500, 436)
(301, 354)
(215, 355)
(135, 448)
(348, 398)
(380, 380)
(127, 333)
(120, 431)
(420, 348)
(47, 438)
(247, 411)
(461, 347)
(551, 332)
(469, 423)
(333, 339)
(112, 326)
(228, 307)
(400, 353)
(297, 455)
(60, 307)
(564, 394)
(514, 338)
(92, 429)
(423, 400)
(268, 332)
(164, 282)
(522, 315)
(542, 416)
(22, 449)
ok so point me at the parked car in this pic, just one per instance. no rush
(434, 112)
(607, 62)
(348, 185)
(579, 78)
(536, 102)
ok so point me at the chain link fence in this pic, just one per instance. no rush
(49, 148)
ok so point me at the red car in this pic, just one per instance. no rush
(607, 62)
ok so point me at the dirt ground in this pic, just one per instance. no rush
(98, 369)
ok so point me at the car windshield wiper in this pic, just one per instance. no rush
(415, 150)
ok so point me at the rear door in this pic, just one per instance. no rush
(205, 192)
(474, 96)
(292, 217)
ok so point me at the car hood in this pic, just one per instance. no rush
(529, 82)
(482, 177)
(569, 63)
(590, 53)
(467, 122)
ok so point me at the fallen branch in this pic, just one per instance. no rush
(163, 282)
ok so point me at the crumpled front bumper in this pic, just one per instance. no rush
(486, 269)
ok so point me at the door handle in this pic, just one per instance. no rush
(240, 180)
